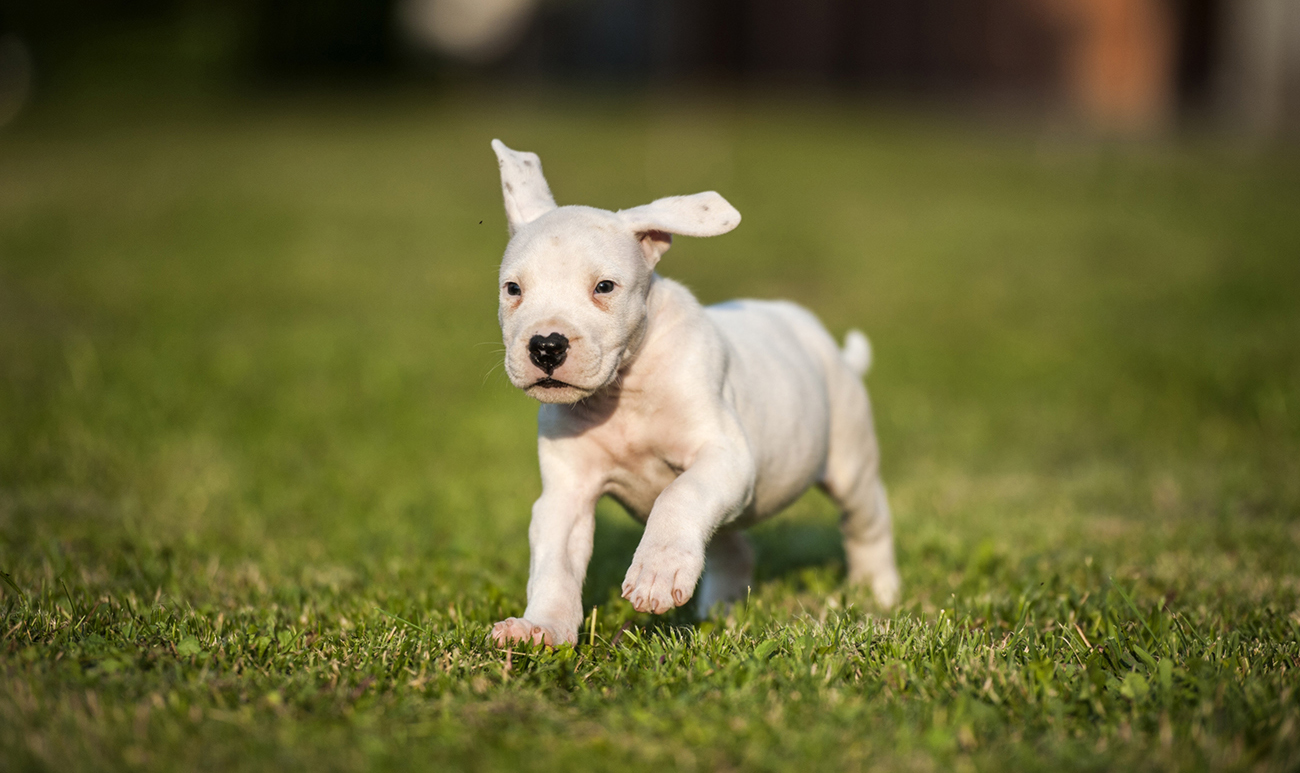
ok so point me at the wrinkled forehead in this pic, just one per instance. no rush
(572, 234)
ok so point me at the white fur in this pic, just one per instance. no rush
(700, 421)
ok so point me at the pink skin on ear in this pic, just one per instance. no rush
(654, 244)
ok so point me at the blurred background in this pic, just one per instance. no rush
(1114, 65)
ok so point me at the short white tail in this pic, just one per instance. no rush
(857, 352)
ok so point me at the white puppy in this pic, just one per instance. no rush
(700, 421)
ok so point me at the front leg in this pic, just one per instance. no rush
(670, 558)
(559, 540)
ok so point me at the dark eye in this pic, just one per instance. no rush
(513, 289)
(604, 286)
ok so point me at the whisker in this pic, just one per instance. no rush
(491, 370)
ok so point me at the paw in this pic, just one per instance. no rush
(873, 564)
(887, 587)
(662, 577)
(718, 587)
(517, 630)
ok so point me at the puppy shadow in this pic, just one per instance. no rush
(617, 535)
(785, 548)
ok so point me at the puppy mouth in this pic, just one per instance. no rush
(553, 390)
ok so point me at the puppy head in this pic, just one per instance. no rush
(574, 280)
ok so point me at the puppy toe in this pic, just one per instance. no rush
(663, 595)
(517, 630)
(508, 632)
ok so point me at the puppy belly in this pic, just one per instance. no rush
(770, 500)
(771, 497)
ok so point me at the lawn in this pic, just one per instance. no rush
(264, 489)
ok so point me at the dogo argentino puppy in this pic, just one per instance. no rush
(699, 421)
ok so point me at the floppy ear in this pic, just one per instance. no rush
(703, 214)
(523, 186)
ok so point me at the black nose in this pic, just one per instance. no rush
(548, 352)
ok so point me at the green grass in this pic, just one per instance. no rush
(264, 493)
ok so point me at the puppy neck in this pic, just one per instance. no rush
(668, 303)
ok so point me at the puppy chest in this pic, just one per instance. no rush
(638, 470)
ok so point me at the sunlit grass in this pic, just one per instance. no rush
(263, 492)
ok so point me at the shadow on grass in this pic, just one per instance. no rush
(785, 548)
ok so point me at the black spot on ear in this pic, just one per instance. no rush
(706, 207)
(528, 162)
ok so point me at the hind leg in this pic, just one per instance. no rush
(853, 483)
(869, 542)
(728, 570)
